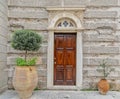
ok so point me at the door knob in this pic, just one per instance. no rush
(54, 62)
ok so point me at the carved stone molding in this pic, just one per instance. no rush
(75, 14)
(65, 20)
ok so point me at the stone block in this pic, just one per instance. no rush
(90, 83)
(105, 38)
(3, 49)
(86, 49)
(42, 85)
(44, 35)
(11, 60)
(96, 61)
(103, 50)
(42, 72)
(3, 19)
(85, 73)
(24, 3)
(3, 25)
(4, 3)
(43, 49)
(10, 49)
(85, 85)
(44, 60)
(99, 38)
(115, 85)
(39, 60)
(95, 25)
(57, 3)
(3, 78)
(91, 79)
(114, 74)
(3, 88)
(3, 8)
(116, 9)
(35, 26)
(3, 40)
(31, 26)
(85, 61)
(42, 78)
(105, 3)
(100, 14)
(3, 65)
(94, 73)
(105, 31)
(2, 15)
(118, 24)
(28, 13)
(75, 3)
(3, 57)
(3, 32)
(118, 37)
(42, 66)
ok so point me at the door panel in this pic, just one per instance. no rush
(69, 57)
(69, 71)
(60, 57)
(59, 42)
(65, 59)
(60, 73)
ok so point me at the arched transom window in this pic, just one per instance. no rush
(65, 23)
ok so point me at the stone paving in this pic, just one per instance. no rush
(48, 94)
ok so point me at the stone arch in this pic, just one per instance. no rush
(65, 15)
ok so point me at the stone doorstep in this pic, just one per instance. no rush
(55, 94)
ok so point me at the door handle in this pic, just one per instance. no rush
(54, 62)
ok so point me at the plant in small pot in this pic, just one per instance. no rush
(103, 84)
(25, 77)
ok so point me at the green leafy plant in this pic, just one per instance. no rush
(106, 70)
(26, 40)
(22, 62)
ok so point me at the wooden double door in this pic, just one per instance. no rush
(64, 58)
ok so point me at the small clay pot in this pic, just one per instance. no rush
(103, 86)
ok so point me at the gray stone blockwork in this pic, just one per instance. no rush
(101, 36)
(3, 44)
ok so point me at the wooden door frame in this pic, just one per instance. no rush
(79, 53)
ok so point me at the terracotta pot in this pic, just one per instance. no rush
(25, 80)
(103, 86)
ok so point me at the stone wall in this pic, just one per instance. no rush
(3, 44)
(100, 38)
(101, 41)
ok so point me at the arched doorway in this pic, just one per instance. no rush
(65, 29)
(64, 54)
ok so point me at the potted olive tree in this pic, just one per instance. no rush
(103, 84)
(25, 76)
